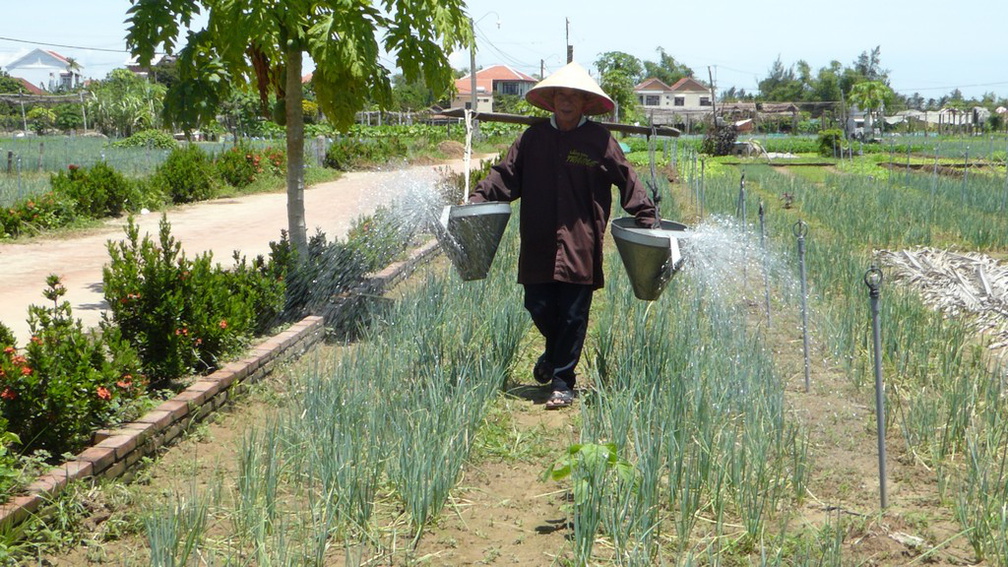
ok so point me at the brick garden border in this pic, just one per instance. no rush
(116, 450)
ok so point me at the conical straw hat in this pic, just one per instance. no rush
(570, 76)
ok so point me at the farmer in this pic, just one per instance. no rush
(563, 171)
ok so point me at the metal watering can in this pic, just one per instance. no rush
(470, 234)
(651, 256)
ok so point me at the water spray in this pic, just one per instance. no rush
(470, 233)
(467, 156)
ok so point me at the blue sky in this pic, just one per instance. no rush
(929, 47)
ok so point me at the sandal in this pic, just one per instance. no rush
(561, 397)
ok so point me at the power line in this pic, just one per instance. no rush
(64, 46)
(953, 87)
(507, 58)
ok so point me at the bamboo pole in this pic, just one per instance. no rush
(529, 120)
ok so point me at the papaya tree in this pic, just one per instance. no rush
(264, 42)
(870, 96)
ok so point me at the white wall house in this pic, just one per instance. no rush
(45, 69)
(686, 95)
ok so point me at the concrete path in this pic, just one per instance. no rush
(247, 224)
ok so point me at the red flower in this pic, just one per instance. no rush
(104, 394)
(223, 324)
(36, 339)
(8, 394)
(9, 350)
(73, 167)
(26, 370)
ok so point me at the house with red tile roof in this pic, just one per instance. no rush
(28, 87)
(46, 69)
(494, 80)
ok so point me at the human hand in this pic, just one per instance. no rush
(648, 223)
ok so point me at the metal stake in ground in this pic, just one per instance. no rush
(873, 279)
(1000, 208)
(766, 263)
(741, 210)
(800, 230)
(934, 185)
(962, 193)
(702, 188)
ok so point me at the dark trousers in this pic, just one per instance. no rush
(560, 312)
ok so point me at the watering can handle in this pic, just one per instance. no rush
(653, 182)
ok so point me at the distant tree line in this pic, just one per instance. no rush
(619, 72)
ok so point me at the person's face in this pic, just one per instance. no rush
(568, 106)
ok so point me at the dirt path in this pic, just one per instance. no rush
(248, 224)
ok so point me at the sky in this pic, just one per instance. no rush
(929, 47)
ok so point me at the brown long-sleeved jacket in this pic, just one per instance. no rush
(564, 181)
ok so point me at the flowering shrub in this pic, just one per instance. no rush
(66, 382)
(182, 315)
(275, 160)
(238, 166)
(98, 192)
(35, 214)
(243, 164)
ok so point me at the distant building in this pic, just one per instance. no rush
(686, 95)
(46, 69)
(144, 71)
(495, 80)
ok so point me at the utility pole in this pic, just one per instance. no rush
(472, 63)
(570, 48)
(542, 68)
(83, 109)
(713, 96)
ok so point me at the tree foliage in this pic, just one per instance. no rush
(831, 83)
(870, 95)
(9, 84)
(618, 74)
(624, 63)
(666, 69)
(263, 42)
(244, 42)
(123, 103)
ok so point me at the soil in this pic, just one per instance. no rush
(501, 513)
